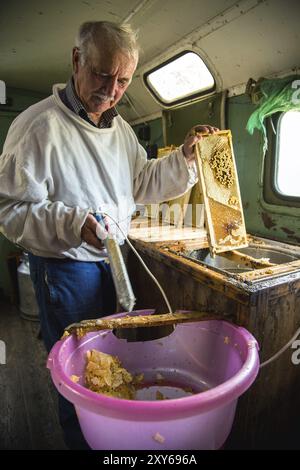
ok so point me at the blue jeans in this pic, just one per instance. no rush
(69, 291)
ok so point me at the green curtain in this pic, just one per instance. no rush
(277, 95)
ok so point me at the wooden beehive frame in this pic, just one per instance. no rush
(220, 187)
(138, 321)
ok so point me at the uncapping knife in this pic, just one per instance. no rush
(120, 276)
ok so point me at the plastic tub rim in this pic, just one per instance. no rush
(202, 402)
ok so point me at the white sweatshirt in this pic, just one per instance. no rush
(56, 168)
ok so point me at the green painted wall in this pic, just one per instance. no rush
(266, 220)
(180, 120)
(18, 101)
(156, 132)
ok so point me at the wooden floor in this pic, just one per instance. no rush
(28, 404)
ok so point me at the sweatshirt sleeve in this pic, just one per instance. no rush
(27, 216)
(162, 179)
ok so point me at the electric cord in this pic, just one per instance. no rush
(284, 348)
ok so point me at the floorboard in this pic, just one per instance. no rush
(28, 405)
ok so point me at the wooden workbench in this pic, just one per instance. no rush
(268, 413)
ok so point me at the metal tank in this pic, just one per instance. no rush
(28, 304)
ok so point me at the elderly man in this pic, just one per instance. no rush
(69, 156)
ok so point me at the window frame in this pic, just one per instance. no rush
(184, 99)
(271, 194)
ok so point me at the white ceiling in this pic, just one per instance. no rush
(36, 36)
(238, 39)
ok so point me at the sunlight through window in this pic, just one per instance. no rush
(185, 76)
(288, 159)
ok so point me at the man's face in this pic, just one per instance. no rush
(101, 82)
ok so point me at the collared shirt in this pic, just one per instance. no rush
(70, 98)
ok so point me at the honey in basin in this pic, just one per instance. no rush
(104, 374)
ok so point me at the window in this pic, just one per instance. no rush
(288, 154)
(183, 77)
(282, 162)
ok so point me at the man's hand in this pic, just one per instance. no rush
(92, 232)
(193, 136)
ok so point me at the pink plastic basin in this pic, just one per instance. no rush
(217, 360)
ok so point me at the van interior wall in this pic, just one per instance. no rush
(17, 101)
(156, 132)
(178, 121)
(262, 219)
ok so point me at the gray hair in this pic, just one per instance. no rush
(115, 37)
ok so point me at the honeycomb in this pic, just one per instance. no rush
(227, 222)
(233, 201)
(104, 374)
(221, 164)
